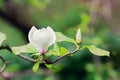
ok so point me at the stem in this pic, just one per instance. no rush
(4, 65)
(20, 55)
(61, 57)
(27, 58)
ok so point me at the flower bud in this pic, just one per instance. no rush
(78, 37)
(41, 39)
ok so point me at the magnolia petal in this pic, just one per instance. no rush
(53, 35)
(31, 32)
(42, 38)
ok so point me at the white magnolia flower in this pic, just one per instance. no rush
(78, 36)
(41, 39)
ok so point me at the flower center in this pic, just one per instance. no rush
(42, 51)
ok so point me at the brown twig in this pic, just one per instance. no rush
(61, 57)
(27, 58)
(21, 56)
(42, 61)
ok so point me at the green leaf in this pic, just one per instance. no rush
(24, 49)
(97, 51)
(56, 48)
(51, 52)
(2, 37)
(61, 37)
(63, 51)
(50, 66)
(35, 67)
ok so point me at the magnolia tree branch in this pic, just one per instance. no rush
(4, 65)
(42, 61)
(21, 56)
(27, 58)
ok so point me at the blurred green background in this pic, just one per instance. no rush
(99, 23)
